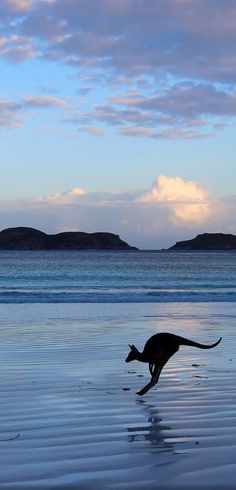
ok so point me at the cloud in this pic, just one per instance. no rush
(68, 197)
(191, 100)
(16, 7)
(45, 102)
(138, 132)
(183, 111)
(200, 109)
(169, 133)
(128, 39)
(16, 48)
(169, 37)
(173, 189)
(78, 195)
(172, 65)
(85, 90)
(92, 130)
(10, 117)
(188, 201)
(21, 6)
(173, 209)
(12, 112)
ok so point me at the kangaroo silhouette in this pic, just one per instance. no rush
(157, 351)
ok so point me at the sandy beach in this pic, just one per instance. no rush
(69, 413)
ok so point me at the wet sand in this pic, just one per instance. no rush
(70, 416)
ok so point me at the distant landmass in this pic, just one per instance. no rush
(23, 238)
(208, 241)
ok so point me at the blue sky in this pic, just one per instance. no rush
(118, 116)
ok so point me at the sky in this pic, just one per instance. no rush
(118, 116)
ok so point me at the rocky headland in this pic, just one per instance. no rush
(24, 238)
(208, 241)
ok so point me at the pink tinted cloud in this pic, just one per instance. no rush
(45, 102)
(92, 130)
(168, 37)
(127, 45)
(190, 39)
(16, 48)
(10, 115)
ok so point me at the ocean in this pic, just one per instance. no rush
(117, 277)
(69, 414)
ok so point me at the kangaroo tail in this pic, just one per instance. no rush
(183, 341)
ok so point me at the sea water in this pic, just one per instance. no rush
(116, 277)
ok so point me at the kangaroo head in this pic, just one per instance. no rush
(133, 354)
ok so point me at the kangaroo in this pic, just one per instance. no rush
(157, 351)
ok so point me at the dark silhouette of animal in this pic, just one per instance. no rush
(157, 351)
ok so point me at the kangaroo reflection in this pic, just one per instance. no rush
(153, 432)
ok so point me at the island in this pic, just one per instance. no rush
(207, 241)
(24, 238)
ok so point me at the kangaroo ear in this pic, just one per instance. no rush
(132, 347)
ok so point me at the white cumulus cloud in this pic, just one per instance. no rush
(67, 197)
(189, 201)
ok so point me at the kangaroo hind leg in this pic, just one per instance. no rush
(155, 377)
(155, 371)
